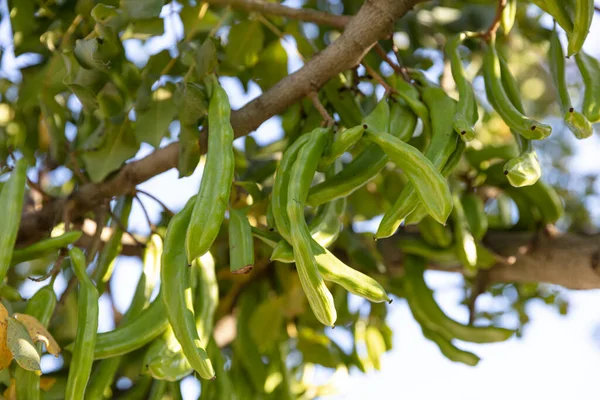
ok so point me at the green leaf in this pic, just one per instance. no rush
(189, 150)
(376, 346)
(272, 67)
(119, 145)
(245, 43)
(110, 101)
(316, 348)
(142, 9)
(144, 29)
(153, 124)
(192, 24)
(206, 58)
(191, 103)
(55, 118)
(266, 322)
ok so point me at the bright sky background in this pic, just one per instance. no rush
(558, 357)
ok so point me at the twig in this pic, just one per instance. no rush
(122, 227)
(327, 119)
(300, 14)
(97, 238)
(76, 167)
(279, 34)
(55, 268)
(156, 199)
(379, 79)
(145, 211)
(479, 286)
(496, 22)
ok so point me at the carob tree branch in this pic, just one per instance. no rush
(374, 21)
(300, 14)
(569, 260)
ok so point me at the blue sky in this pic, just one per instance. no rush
(557, 357)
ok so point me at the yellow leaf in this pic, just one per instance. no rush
(11, 392)
(47, 383)
(5, 354)
(22, 347)
(38, 333)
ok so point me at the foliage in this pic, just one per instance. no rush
(80, 102)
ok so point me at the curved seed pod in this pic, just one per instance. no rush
(41, 306)
(590, 71)
(177, 292)
(110, 251)
(507, 19)
(427, 181)
(465, 247)
(528, 128)
(584, 13)
(575, 121)
(403, 121)
(207, 296)
(45, 247)
(435, 233)
(415, 268)
(133, 335)
(279, 197)
(269, 238)
(241, 243)
(361, 170)
(466, 110)
(301, 176)
(157, 390)
(11, 202)
(343, 101)
(443, 145)
(104, 374)
(213, 196)
(419, 212)
(450, 351)
(343, 141)
(165, 360)
(523, 170)
(475, 213)
(558, 10)
(411, 95)
(87, 326)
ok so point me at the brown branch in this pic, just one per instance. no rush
(156, 199)
(300, 14)
(373, 21)
(496, 22)
(327, 119)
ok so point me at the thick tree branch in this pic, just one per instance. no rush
(570, 260)
(373, 22)
(300, 14)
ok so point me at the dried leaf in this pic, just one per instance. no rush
(38, 333)
(11, 392)
(22, 347)
(5, 354)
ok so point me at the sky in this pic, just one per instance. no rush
(558, 356)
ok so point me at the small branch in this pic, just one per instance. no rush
(122, 227)
(55, 268)
(94, 245)
(145, 211)
(156, 199)
(496, 22)
(327, 119)
(379, 79)
(300, 14)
